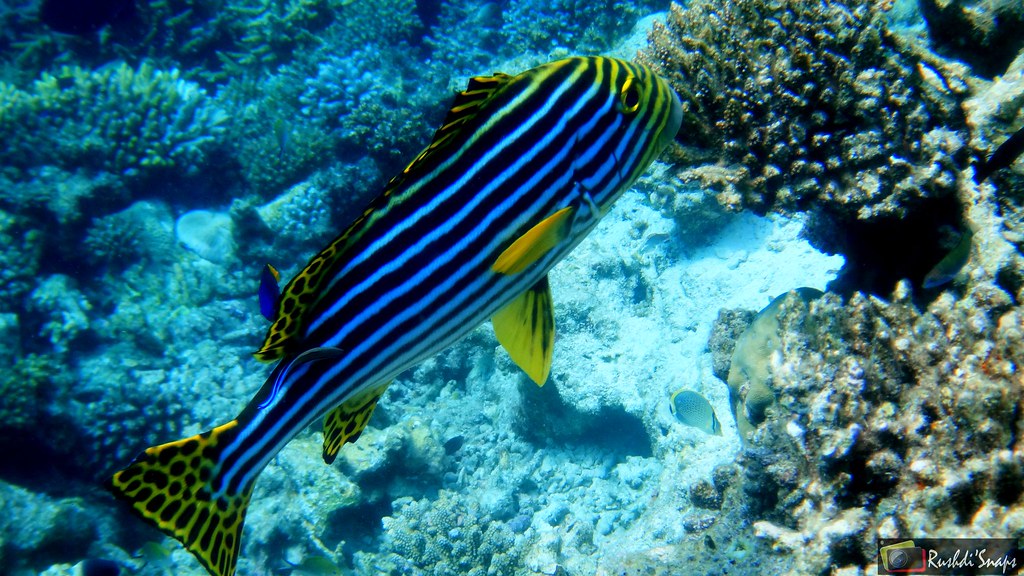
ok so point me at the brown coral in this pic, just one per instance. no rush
(898, 421)
(808, 101)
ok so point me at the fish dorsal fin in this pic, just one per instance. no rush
(346, 422)
(525, 327)
(535, 243)
(467, 103)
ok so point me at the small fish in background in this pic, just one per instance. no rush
(155, 555)
(311, 566)
(692, 409)
(453, 444)
(283, 135)
(96, 567)
(951, 263)
(1005, 154)
(270, 291)
(84, 17)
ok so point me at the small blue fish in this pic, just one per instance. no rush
(270, 292)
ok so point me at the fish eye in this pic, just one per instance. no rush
(629, 96)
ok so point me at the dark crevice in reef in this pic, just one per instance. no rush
(358, 526)
(985, 35)
(36, 465)
(1008, 484)
(545, 418)
(881, 252)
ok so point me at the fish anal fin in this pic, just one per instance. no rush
(168, 486)
(346, 422)
(525, 328)
(535, 243)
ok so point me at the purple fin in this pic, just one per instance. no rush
(270, 292)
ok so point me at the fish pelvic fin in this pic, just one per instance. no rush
(168, 487)
(525, 328)
(346, 422)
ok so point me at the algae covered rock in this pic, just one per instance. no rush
(751, 390)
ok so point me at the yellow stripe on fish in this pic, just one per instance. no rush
(521, 170)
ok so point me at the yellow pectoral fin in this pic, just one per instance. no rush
(526, 329)
(346, 422)
(531, 246)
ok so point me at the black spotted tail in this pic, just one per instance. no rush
(169, 487)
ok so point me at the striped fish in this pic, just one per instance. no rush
(521, 170)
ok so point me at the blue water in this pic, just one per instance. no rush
(156, 155)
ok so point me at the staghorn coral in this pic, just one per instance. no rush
(802, 101)
(116, 119)
(890, 421)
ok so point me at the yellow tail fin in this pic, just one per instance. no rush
(168, 486)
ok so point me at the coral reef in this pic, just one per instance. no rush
(890, 421)
(825, 108)
(589, 27)
(809, 102)
(116, 119)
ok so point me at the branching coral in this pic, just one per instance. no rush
(580, 26)
(116, 119)
(445, 536)
(809, 101)
(368, 109)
